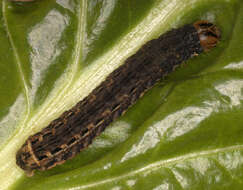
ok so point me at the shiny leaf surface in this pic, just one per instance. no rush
(185, 133)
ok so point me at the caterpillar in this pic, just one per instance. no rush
(76, 128)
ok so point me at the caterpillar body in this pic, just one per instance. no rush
(76, 128)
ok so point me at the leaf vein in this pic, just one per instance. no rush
(17, 58)
(163, 163)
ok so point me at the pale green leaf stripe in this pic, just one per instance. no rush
(20, 69)
(8, 166)
(64, 96)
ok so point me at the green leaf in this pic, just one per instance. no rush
(185, 133)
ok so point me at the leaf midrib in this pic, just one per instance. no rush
(73, 70)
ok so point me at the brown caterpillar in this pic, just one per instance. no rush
(76, 128)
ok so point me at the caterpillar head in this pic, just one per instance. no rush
(209, 34)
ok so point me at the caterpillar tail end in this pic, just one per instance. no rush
(25, 160)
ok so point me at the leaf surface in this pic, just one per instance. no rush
(185, 133)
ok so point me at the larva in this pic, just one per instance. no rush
(76, 128)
